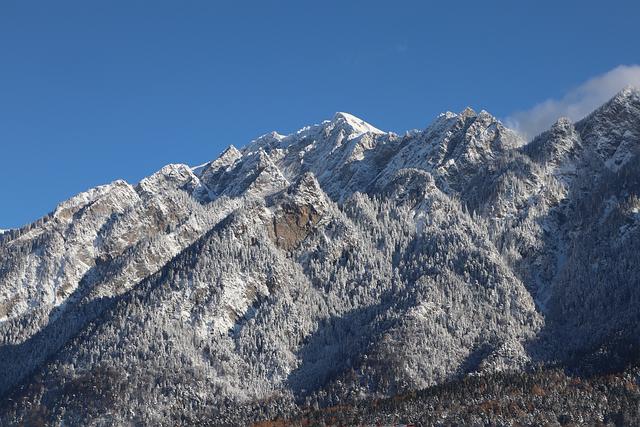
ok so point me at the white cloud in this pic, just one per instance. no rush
(577, 103)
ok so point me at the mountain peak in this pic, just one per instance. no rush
(562, 123)
(628, 97)
(175, 175)
(468, 112)
(613, 129)
(354, 125)
(266, 140)
(628, 92)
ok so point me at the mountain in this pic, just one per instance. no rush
(338, 265)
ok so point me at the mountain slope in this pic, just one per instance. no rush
(332, 265)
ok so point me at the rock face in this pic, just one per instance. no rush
(335, 264)
(298, 213)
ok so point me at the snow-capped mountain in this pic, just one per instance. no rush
(337, 264)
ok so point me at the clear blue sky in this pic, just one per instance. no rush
(92, 91)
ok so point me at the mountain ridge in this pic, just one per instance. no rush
(334, 264)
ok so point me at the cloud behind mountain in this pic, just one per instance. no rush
(577, 103)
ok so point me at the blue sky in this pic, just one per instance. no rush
(94, 91)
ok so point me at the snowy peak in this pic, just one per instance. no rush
(253, 173)
(118, 190)
(628, 95)
(353, 125)
(564, 129)
(556, 145)
(228, 157)
(625, 104)
(268, 177)
(343, 127)
(613, 130)
(172, 176)
(467, 112)
(562, 123)
(472, 138)
(265, 142)
(474, 127)
(453, 148)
